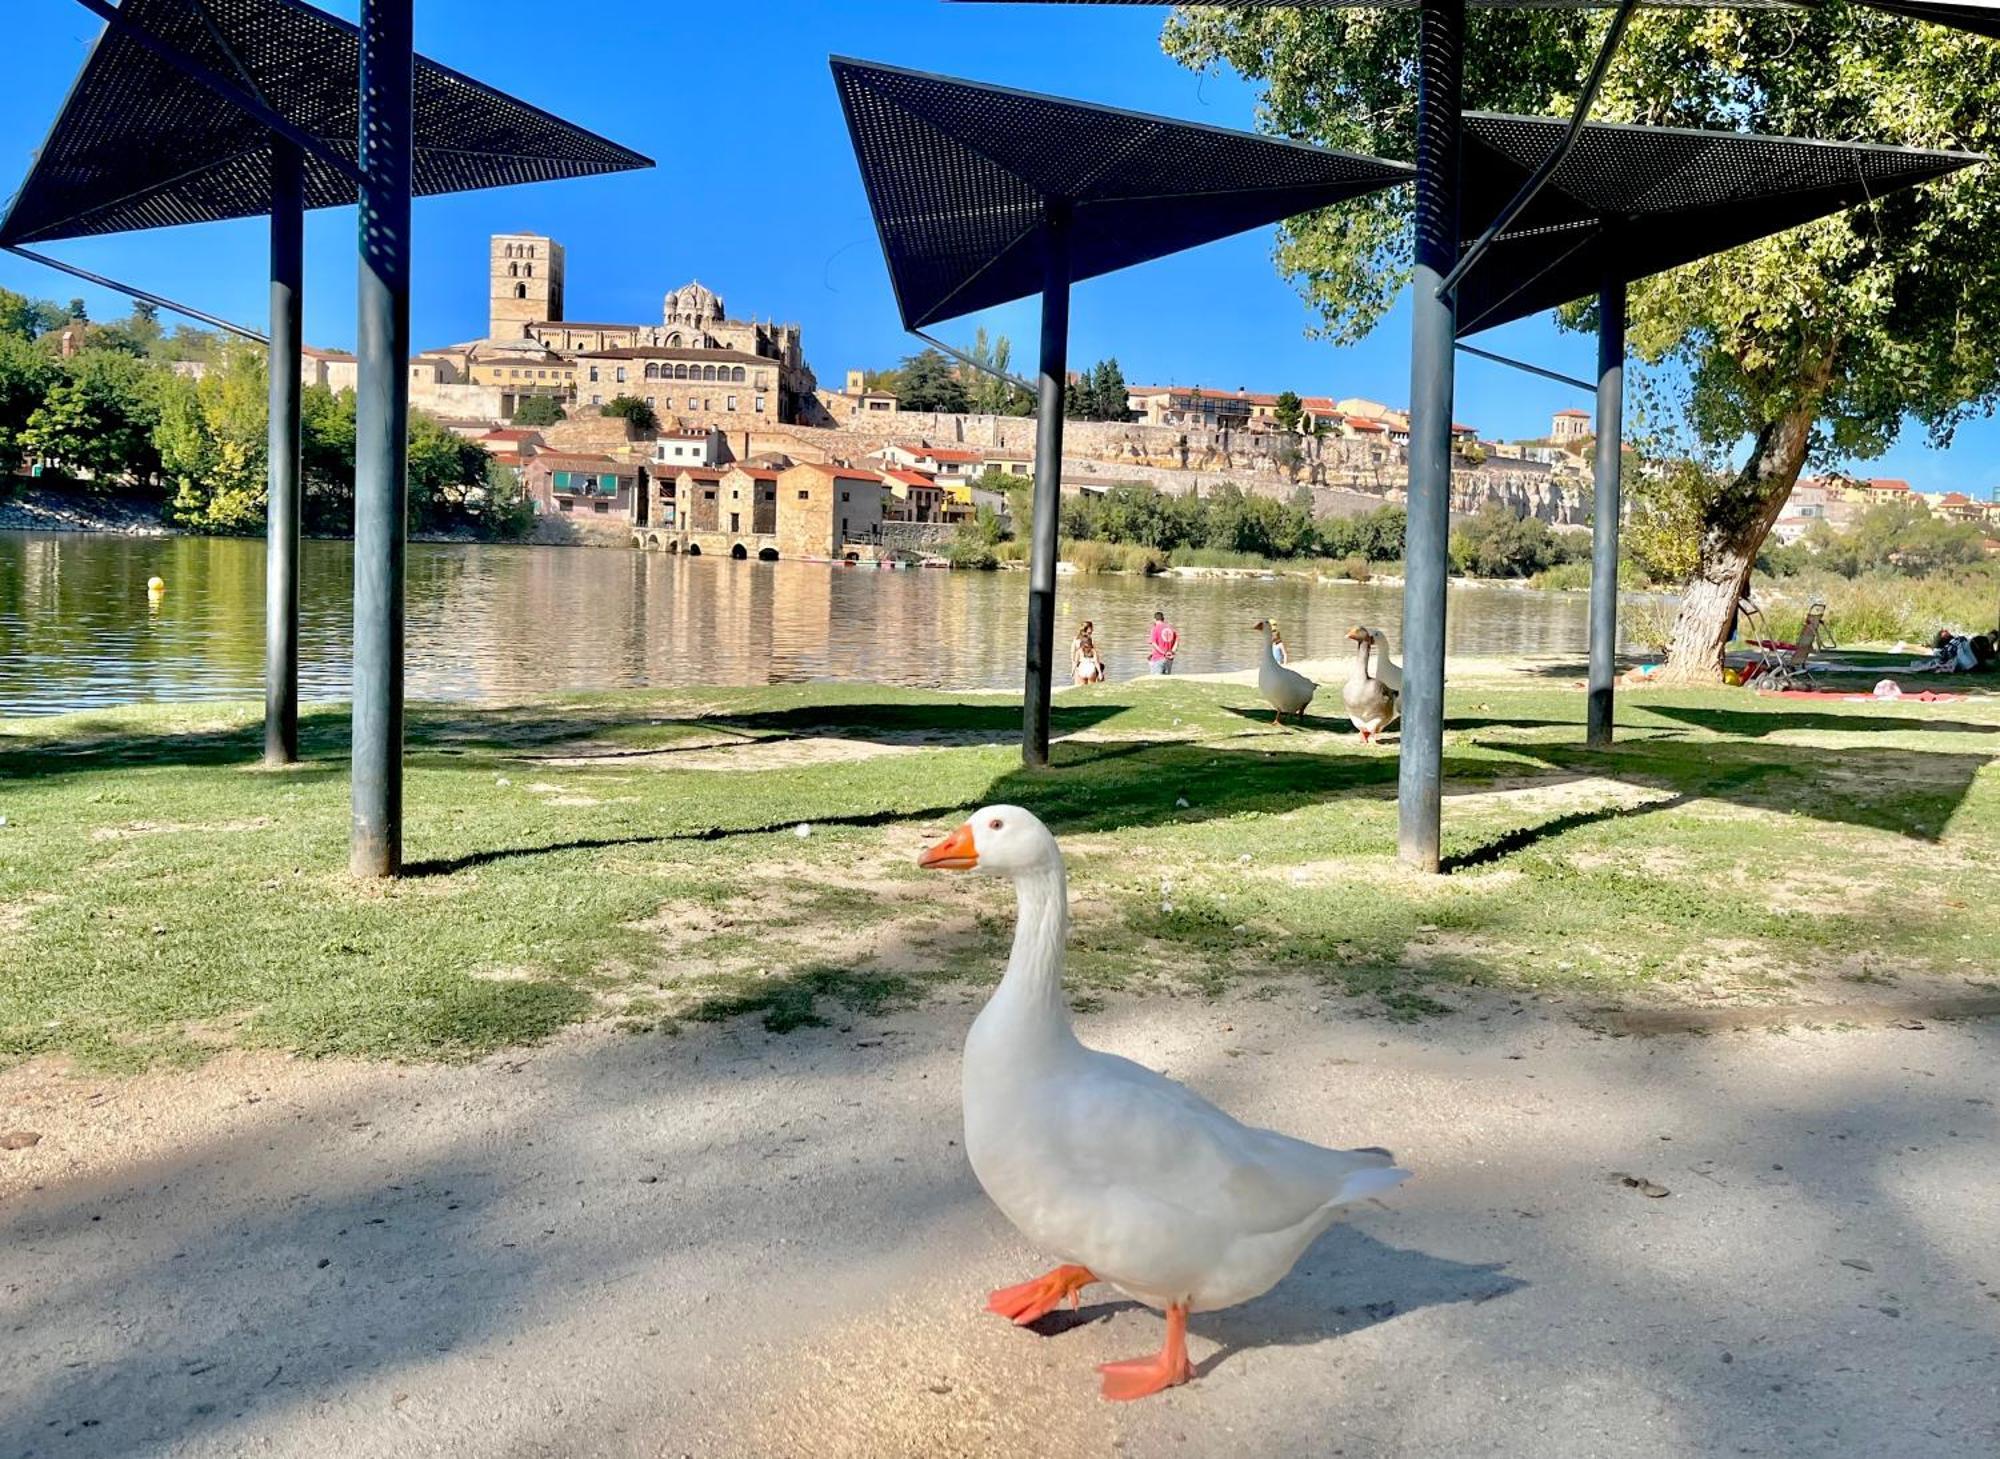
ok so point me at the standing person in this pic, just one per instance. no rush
(1165, 642)
(1278, 644)
(1086, 666)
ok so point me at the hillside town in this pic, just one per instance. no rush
(736, 428)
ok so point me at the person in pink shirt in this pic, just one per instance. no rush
(1165, 641)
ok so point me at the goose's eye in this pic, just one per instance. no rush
(994, 824)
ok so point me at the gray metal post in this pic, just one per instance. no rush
(1441, 53)
(1605, 512)
(1048, 486)
(381, 445)
(281, 518)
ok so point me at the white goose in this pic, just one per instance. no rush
(1124, 1175)
(1386, 669)
(1287, 691)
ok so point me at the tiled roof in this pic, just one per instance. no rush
(839, 473)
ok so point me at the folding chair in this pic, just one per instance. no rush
(1790, 666)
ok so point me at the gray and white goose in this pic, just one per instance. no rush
(1369, 700)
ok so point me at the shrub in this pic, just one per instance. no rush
(1563, 577)
(971, 554)
(1498, 544)
(1096, 557)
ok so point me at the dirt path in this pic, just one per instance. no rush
(728, 1244)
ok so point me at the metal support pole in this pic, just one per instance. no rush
(1048, 486)
(381, 444)
(281, 551)
(1605, 512)
(1441, 54)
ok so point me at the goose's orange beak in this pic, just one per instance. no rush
(955, 853)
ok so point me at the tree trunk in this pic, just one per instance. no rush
(1737, 523)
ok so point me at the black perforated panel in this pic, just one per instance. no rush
(1645, 199)
(139, 144)
(961, 175)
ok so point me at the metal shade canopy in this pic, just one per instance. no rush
(961, 177)
(140, 143)
(1633, 201)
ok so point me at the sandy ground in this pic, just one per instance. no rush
(724, 1243)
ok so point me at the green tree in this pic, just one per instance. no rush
(1288, 411)
(76, 311)
(1100, 394)
(211, 440)
(98, 416)
(926, 383)
(326, 459)
(26, 318)
(26, 374)
(630, 407)
(1814, 346)
(537, 411)
(989, 394)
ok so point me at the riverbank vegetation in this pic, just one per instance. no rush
(635, 860)
(177, 423)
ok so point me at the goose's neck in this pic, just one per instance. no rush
(1031, 993)
(1361, 647)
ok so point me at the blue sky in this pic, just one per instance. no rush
(756, 195)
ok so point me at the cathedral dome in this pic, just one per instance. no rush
(693, 304)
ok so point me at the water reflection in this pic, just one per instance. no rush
(488, 622)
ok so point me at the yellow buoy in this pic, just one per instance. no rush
(156, 585)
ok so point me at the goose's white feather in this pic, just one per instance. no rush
(1284, 689)
(1106, 1164)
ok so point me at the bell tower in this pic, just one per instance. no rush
(525, 271)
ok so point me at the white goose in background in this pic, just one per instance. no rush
(1287, 691)
(1122, 1174)
(1369, 700)
(1386, 669)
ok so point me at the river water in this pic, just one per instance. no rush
(78, 631)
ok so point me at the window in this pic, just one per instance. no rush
(680, 372)
(843, 497)
(736, 375)
(530, 271)
(593, 374)
(520, 291)
(513, 270)
(541, 374)
(805, 496)
(621, 374)
(651, 401)
(731, 402)
(705, 405)
(760, 402)
(597, 400)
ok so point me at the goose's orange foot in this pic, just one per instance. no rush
(1137, 1377)
(1023, 1304)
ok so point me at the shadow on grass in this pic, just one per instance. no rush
(1911, 793)
(1752, 724)
(1524, 837)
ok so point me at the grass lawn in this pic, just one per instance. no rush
(634, 858)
